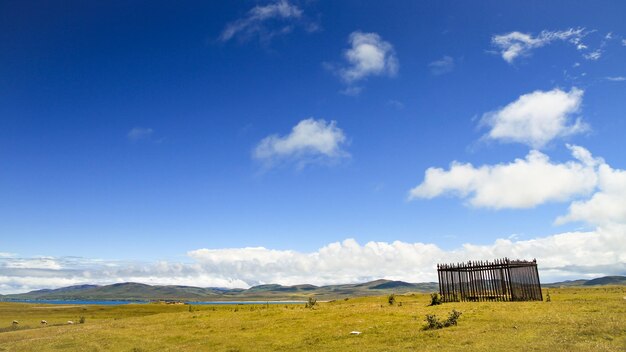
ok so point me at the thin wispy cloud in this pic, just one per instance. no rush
(396, 104)
(593, 56)
(267, 21)
(616, 78)
(139, 133)
(517, 44)
(309, 141)
(442, 66)
(537, 118)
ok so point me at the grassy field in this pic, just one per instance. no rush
(576, 319)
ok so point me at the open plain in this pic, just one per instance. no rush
(576, 319)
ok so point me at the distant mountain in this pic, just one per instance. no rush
(143, 292)
(606, 280)
(391, 285)
(123, 291)
(271, 292)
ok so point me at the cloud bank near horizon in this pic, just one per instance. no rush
(559, 256)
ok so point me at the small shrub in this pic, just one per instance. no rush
(435, 299)
(452, 318)
(391, 299)
(312, 302)
(432, 322)
(548, 299)
(81, 320)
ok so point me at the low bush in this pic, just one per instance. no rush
(312, 302)
(435, 299)
(432, 322)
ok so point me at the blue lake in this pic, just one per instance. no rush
(110, 303)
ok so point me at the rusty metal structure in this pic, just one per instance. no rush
(500, 280)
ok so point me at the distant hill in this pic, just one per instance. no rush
(271, 292)
(606, 280)
(143, 292)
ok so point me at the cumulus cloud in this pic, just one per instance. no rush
(308, 141)
(139, 133)
(368, 55)
(607, 205)
(561, 256)
(266, 22)
(442, 66)
(523, 183)
(537, 118)
(515, 44)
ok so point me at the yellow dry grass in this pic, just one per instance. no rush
(577, 319)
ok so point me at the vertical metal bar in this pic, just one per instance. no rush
(538, 280)
(439, 278)
(482, 281)
(508, 274)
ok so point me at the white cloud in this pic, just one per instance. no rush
(593, 56)
(616, 78)
(442, 66)
(515, 44)
(266, 22)
(369, 55)
(606, 206)
(138, 133)
(309, 140)
(34, 263)
(537, 118)
(396, 104)
(624, 42)
(562, 256)
(352, 91)
(523, 183)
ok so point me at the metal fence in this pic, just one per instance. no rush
(500, 280)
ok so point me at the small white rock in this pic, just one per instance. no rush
(355, 333)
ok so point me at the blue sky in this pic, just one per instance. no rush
(235, 143)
